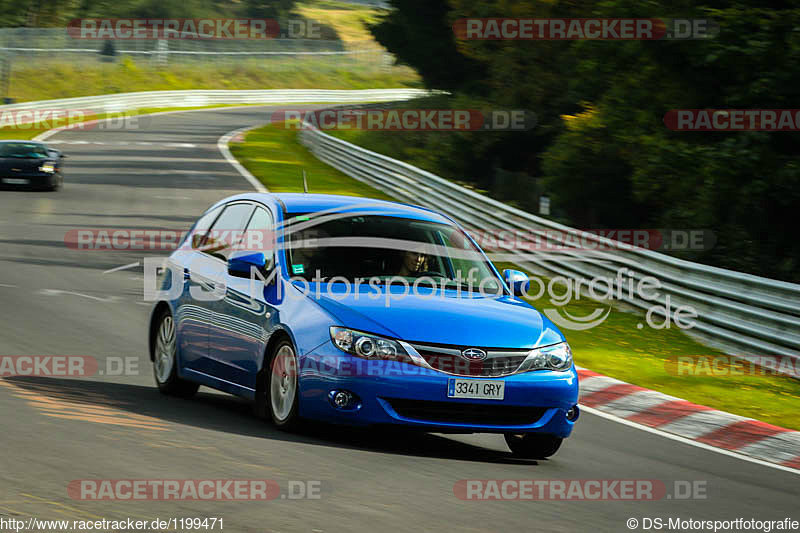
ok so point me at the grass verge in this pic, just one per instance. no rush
(617, 347)
(275, 156)
(350, 21)
(47, 80)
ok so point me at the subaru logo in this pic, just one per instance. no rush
(473, 354)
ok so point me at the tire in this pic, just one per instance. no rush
(533, 445)
(282, 387)
(165, 360)
(58, 182)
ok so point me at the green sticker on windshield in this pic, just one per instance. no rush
(298, 269)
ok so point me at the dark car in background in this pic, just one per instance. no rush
(30, 164)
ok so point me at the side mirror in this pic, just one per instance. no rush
(241, 264)
(517, 281)
(198, 238)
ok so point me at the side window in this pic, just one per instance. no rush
(201, 228)
(453, 240)
(260, 234)
(227, 230)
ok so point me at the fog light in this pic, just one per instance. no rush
(573, 413)
(342, 399)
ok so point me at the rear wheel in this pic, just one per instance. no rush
(282, 387)
(165, 360)
(533, 445)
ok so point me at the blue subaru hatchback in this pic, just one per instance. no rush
(362, 312)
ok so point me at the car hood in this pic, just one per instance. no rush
(438, 317)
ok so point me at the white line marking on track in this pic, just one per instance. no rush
(222, 144)
(123, 267)
(58, 292)
(127, 143)
(690, 442)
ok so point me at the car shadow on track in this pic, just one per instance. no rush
(229, 414)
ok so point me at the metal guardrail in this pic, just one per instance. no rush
(117, 103)
(741, 314)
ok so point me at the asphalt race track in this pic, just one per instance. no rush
(57, 301)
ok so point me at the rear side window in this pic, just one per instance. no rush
(227, 230)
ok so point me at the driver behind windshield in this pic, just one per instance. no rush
(23, 150)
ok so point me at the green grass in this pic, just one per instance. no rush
(617, 347)
(275, 156)
(350, 21)
(45, 80)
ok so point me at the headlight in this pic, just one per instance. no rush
(365, 345)
(47, 167)
(555, 357)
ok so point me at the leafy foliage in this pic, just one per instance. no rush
(601, 149)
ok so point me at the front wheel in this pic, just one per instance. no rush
(57, 183)
(533, 445)
(165, 361)
(282, 387)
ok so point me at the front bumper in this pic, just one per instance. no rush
(28, 179)
(395, 393)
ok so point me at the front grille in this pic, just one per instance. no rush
(499, 362)
(466, 413)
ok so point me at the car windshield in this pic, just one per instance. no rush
(23, 150)
(387, 249)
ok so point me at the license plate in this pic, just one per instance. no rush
(481, 389)
(16, 181)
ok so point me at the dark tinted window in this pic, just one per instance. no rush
(385, 247)
(24, 150)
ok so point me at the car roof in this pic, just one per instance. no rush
(297, 203)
